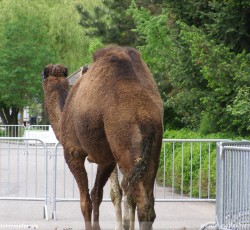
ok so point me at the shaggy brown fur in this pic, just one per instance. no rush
(113, 114)
(56, 87)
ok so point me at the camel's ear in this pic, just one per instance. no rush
(45, 72)
(84, 69)
(65, 73)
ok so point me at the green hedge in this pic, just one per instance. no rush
(203, 176)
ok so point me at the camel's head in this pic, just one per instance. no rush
(54, 71)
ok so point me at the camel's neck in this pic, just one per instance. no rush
(55, 93)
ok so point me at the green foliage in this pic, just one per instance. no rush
(168, 57)
(198, 52)
(21, 58)
(33, 34)
(200, 60)
(108, 22)
(207, 124)
(189, 163)
(221, 68)
(67, 37)
(35, 109)
(153, 31)
(240, 110)
(94, 45)
(24, 50)
(227, 22)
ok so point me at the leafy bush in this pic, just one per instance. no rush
(207, 124)
(200, 61)
(1, 133)
(188, 173)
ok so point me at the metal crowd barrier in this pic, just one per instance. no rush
(39, 127)
(172, 188)
(64, 185)
(24, 170)
(44, 132)
(19, 130)
(12, 130)
(233, 185)
(23, 177)
(190, 180)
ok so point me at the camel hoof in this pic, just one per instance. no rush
(96, 227)
(126, 225)
(119, 227)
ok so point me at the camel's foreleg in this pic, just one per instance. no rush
(103, 173)
(75, 161)
(116, 197)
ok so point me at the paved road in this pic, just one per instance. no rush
(29, 180)
(169, 215)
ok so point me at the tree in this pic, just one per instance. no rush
(33, 34)
(228, 23)
(201, 61)
(227, 75)
(109, 22)
(24, 50)
(169, 59)
(68, 39)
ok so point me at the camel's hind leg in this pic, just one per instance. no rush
(103, 173)
(116, 197)
(129, 213)
(75, 162)
(128, 220)
(143, 194)
(145, 206)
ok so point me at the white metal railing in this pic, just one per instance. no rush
(44, 133)
(25, 164)
(233, 185)
(12, 130)
(186, 166)
(174, 187)
(24, 170)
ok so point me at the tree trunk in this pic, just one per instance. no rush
(9, 116)
(2, 115)
(21, 116)
(44, 120)
(13, 118)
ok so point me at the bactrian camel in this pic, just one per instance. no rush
(55, 97)
(112, 115)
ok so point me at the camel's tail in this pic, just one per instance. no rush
(141, 166)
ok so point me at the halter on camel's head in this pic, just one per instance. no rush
(57, 71)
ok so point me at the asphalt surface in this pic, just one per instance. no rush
(29, 215)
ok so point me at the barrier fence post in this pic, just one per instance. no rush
(232, 178)
(23, 167)
(53, 197)
(233, 185)
(219, 182)
(46, 216)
